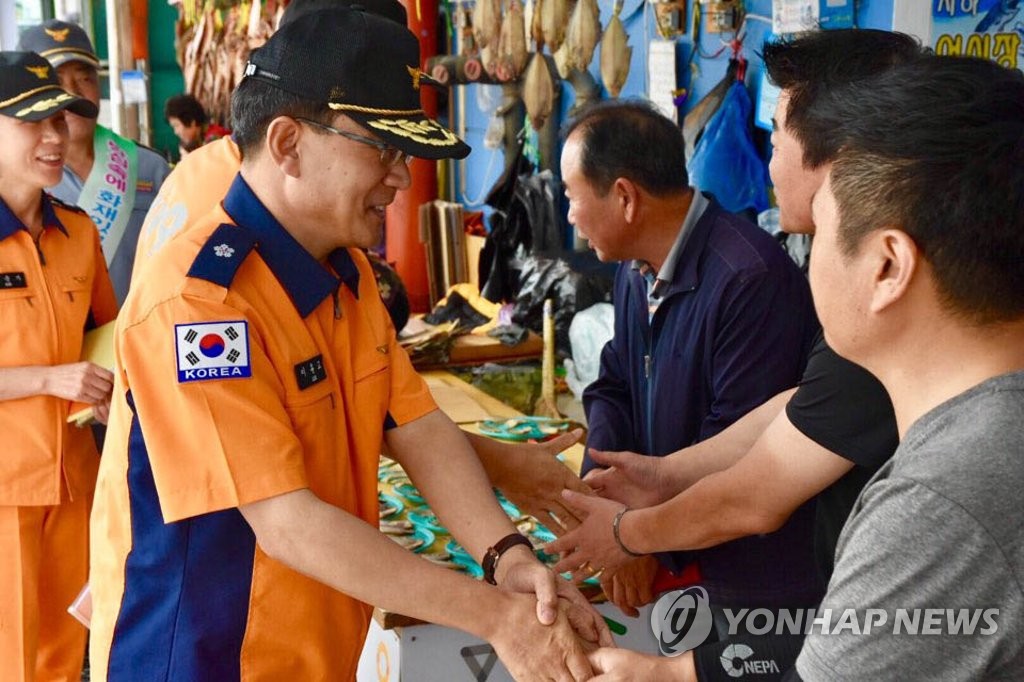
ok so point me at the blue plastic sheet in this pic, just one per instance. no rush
(725, 161)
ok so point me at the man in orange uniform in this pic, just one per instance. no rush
(53, 286)
(257, 379)
(528, 474)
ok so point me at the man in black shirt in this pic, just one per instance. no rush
(827, 437)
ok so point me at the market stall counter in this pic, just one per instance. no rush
(398, 647)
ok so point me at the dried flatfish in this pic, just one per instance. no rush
(582, 36)
(396, 527)
(615, 54)
(512, 52)
(538, 90)
(554, 17)
(487, 22)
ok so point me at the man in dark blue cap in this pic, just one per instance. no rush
(112, 178)
(258, 378)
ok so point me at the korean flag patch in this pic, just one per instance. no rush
(212, 350)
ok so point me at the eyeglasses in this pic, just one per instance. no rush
(389, 156)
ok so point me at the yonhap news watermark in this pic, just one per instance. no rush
(683, 619)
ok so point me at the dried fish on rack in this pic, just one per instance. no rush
(214, 42)
(615, 53)
(554, 17)
(582, 36)
(487, 22)
(538, 90)
(536, 32)
(512, 53)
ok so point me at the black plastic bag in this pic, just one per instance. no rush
(527, 219)
(574, 281)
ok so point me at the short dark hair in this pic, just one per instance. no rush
(186, 109)
(633, 140)
(812, 63)
(255, 103)
(935, 147)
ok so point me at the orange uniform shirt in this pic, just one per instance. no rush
(193, 188)
(50, 293)
(245, 369)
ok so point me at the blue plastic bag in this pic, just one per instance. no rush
(725, 161)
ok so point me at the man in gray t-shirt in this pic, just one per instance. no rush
(917, 270)
(938, 528)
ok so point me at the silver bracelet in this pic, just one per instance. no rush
(615, 532)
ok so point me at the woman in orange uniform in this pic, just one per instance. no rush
(53, 287)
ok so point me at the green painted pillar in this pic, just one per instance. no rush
(165, 79)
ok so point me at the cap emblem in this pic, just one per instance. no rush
(416, 75)
(40, 72)
(59, 35)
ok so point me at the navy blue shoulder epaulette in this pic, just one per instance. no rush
(74, 208)
(222, 254)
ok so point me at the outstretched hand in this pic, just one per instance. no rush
(533, 479)
(591, 546)
(634, 480)
(531, 651)
(620, 665)
(553, 594)
(632, 585)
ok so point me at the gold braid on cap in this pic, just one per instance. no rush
(417, 131)
(379, 112)
(44, 105)
(24, 95)
(61, 50)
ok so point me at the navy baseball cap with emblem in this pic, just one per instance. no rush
(30, 91)
(362, 65)
(60, 42)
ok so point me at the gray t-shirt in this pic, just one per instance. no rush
(149, 177)
(941, 527)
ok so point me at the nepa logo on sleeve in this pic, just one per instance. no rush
(212, 350)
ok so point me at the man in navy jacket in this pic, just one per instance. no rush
(711, 319)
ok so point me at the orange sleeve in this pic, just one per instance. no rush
(410, 395)
(212, 444)
(103, 302)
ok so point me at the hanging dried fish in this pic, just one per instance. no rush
(615, 53)
(536, 32)
(561, 57)
(583, 33)
(554, 16)
(487, 22)
(489, 59)
(512, 54)
(538, 91)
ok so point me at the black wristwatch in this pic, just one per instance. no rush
(490, 562)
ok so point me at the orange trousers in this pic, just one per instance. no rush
(44, 562)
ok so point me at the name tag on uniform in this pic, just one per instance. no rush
(310, 372)
(212, 350)
(12, 280)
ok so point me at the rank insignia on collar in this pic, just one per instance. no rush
(310, 372)
(13, 280)
(224, 251)
(212, 350)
